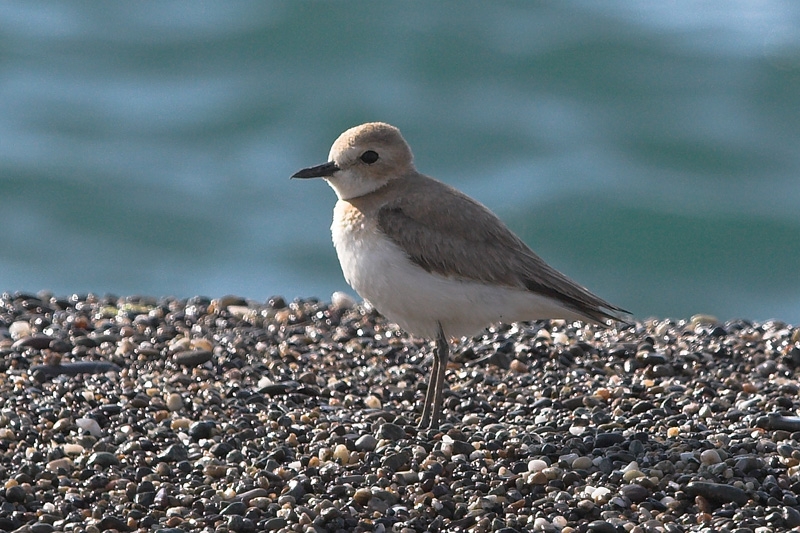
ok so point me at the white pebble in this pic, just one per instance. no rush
(561, 338)
(342, 300)
(65, 463)
(341, 453)
(601, 495)
(73, 449)
(633, 465)
(90, 425)
(240, 311)
(372, 401)
(19, 330)
(536, 465)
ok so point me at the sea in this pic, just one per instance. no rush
(648, 150)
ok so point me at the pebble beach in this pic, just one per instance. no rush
(140, 414)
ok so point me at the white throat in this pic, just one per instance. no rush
(348, 184)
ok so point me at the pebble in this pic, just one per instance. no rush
(717, 492)
(201, 430)
(366, 443)
(233, 416)
(600, 526)
(90, 426)
(102, 459)
(710, 457)
(37, 342)
(174, 402)
(192, 358)
(49, 371)
(582, 463)
(604, 440)
(19, 330)
(391, 432)
(635, 492)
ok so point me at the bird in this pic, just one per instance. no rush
(431, 259)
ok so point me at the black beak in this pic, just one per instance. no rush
(320, 171)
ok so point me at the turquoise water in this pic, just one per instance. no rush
(652, 153)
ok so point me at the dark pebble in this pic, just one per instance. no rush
(201, 430)
(42, 527)
(46, 372)
(15, 493)
(652, 359)
(9, 523)
(273, 524)
(173, 454)
(746, 464)
(112, 522)
(60, 346)
(635, 492)
(395, 461)
(767, 368)
(366, 443)
(717, 492)
(787, 423)
(462, 448)
(235, 508)
(275, 389)
(391, 432)
(37, 342)
(604, 440)
(145, 499)
(636, 447)
(235, 523)
(102, 459)
(601, 526)
(641, 407)
(221, 449)
(84, 341)
(192, 358)
(296, 489)
(161, 499)
(111, 409)
(98, 481)
(791, 516)
(254, 493)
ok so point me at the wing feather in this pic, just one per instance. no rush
(464, 249)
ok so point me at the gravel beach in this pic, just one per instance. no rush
(159, 414)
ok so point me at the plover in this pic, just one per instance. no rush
(430, 258)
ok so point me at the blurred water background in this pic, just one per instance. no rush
(650, 150)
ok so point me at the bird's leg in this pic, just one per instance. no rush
(426, 407)
(442, 354)
(433, 400)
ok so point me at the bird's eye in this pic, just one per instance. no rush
(369, 157)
